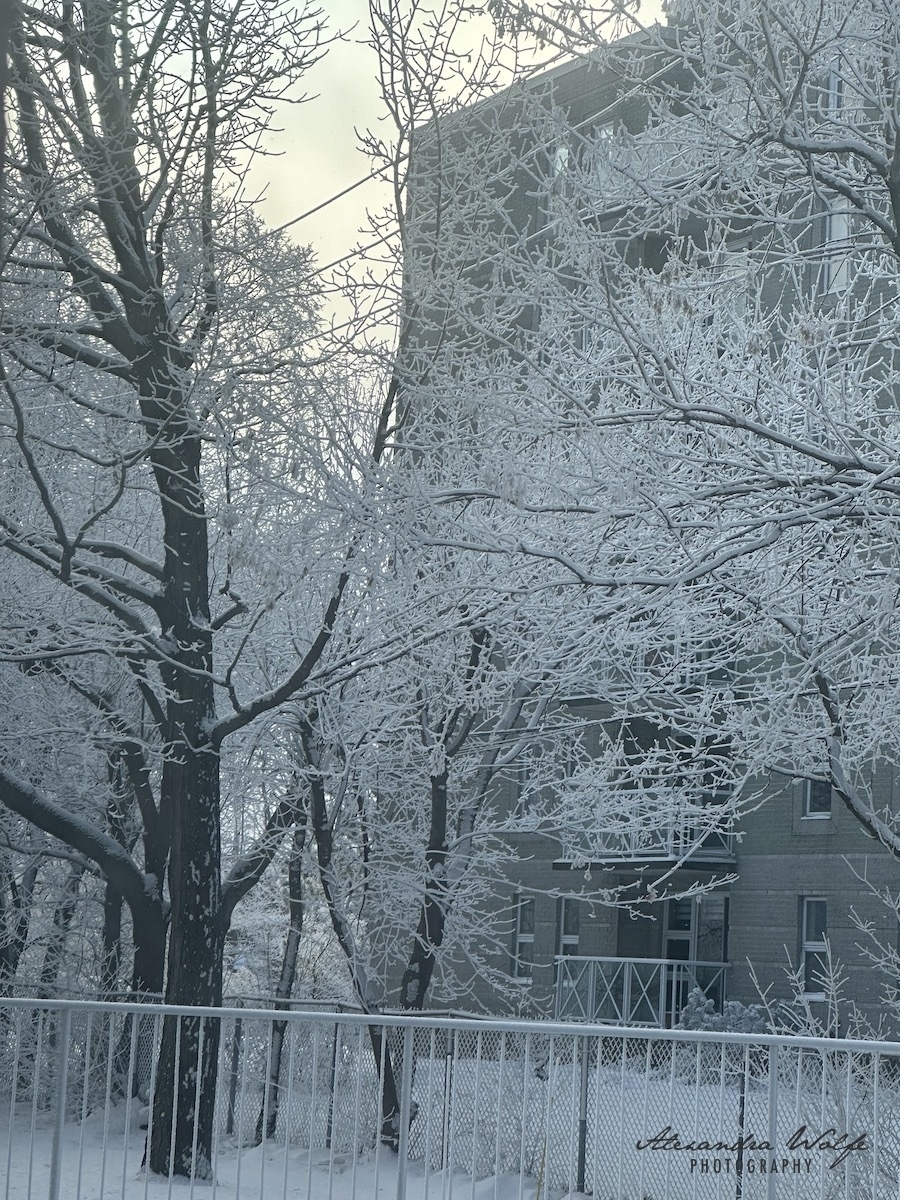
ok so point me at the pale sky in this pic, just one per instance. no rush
(318, 148)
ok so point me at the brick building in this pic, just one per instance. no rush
(790, 871)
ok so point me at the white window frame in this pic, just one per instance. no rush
(602, 138)
(836, 245)
(810, 945)
(836, 226)
(815, 814)
(834, 92)
(567, 943)
(523, 968)
(560, 161)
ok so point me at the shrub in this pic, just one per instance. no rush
(700, 1013)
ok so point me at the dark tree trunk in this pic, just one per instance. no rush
(62, 919)
(390, 1107)
(433, 913)
(189, 1050)
(148, 930)
(390, 1101)
(16, 922)
(122, 800)
(112, 942)
(189, 806)
(268, 1111)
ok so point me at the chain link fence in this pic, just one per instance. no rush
(616, 1114)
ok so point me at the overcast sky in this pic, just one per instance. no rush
(318, 148)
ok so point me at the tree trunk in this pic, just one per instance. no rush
(189, 808)
(17, 920)
(148, 968)
(182, 1115)
(322, 831)
(62, 919)
(433, 914)
(268, 1112)
(112, 942)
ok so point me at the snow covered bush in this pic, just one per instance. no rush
(700, 1013)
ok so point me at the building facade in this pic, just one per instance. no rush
(780, 904)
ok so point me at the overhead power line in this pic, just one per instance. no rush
(331, 200)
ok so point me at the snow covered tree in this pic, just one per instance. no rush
(155, 395)
(189, 492)
(762, 356)
(185, 506)
(668, 317)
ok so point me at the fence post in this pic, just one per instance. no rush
(582, 1117)
(449, 1051)
(668, 983)
(742, 1114)
(236, 1038)
(62, 1082)
(772, 1135)
(329, 1125)
(405, 1110)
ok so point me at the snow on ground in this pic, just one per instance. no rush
(486, 1118)
(269, 1172)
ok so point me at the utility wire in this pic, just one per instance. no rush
(534, 70)
(344, 257)
(374, 174)
(331, 199)
(324, 204)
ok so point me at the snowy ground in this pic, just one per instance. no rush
(102, 1156)
(261, 1173)
(515, 1117)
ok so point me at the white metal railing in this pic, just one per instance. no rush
(526, 1107)
(633, 991)
(627, 170)
(653, 836)
(668, 843)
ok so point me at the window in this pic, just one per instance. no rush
(559, 162)
(840, 110)
(833, 94)
(606, 179)
(568, 924)
(813, 945)
(816, 800)
(680, 928)
(836, 239)
(523, 943)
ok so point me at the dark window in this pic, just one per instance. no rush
(817, 798)
(568, 925)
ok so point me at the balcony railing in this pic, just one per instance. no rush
(629, 171)
(653, 841)
(632, 167)
(633, 991)
(681, 840)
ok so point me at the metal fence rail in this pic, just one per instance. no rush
(487, 1109)
(633, 991)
